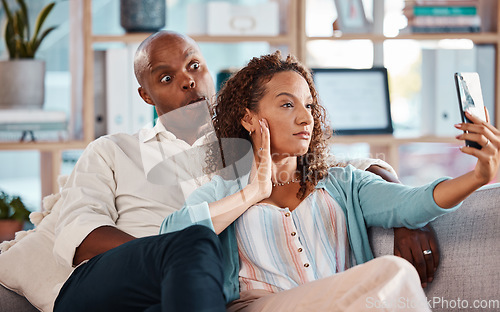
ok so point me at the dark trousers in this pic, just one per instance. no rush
(180, 271)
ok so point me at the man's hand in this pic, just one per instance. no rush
(99, 241)
(411, 244)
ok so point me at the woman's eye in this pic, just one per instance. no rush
(287, 105)
(166, 79)
(310, 106)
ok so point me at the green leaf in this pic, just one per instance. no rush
(29, 50)
(35, 45)
(13, 208)
(17, 30)
(20, 26)
(4, 206)
(15, 24)
(7, 10)
(24, 12)
(9, 40)
(41, 19)
(20, 211)
(9, 31)
(21, 49)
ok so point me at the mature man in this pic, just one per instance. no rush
(122, 188)
(108, 203)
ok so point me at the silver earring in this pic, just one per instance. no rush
(250, 133)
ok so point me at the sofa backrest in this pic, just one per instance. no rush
(469, 240)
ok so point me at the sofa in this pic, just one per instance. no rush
(469, 272)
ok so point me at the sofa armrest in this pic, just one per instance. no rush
(469, 240)
(12, 302)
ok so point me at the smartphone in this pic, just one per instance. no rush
(470, 98)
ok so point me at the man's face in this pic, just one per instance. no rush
(175, 75)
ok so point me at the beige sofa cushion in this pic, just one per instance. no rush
(28, 266)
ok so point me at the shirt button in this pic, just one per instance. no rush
(299, 250)
(293, 233)
(306, 265)
(287, 214)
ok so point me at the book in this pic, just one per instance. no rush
(485, 67)
(100, 93)
(444, 10)
(443, 16)
(443, 24)
(439, 108)
(442, 2)
(444, 29)
(126, 112)
(469, 21)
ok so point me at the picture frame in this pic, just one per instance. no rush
(351, 17)
(356, 100)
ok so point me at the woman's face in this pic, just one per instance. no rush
(287, 106)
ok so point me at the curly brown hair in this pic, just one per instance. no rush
(244, 89)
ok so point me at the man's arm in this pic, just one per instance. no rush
(410, 244)
(99, 241)
(87, 220)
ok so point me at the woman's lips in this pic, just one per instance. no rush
(303, 135)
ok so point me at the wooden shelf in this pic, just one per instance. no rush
(475, 37)
(387, 140)
(139, 37)
(43, 146)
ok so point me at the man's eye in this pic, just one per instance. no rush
(195, 65)
(166, 79)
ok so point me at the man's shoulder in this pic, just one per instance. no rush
(111, 142)
(114, 139)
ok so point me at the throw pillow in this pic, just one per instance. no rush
(27, 264)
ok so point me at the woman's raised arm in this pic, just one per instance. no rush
(225, 211)
(451, 192)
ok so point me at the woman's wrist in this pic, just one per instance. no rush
(252, 193)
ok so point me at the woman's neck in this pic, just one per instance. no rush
(284, 169)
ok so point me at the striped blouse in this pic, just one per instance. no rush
(280, 249)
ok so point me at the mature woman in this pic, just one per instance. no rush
(295, 231)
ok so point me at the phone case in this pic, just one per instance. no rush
(470, 98)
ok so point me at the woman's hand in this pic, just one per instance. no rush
(261, 172)
(488, 137)
(449, 193)
(226, 210)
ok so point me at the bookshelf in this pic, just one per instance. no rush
(488, 37)
(293, 35)
(388, 145)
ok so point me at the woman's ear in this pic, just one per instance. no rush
(249, 121)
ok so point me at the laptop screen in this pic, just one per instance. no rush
(357, 100)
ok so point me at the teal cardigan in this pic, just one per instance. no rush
(366, 199)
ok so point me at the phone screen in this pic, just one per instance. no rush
(470, 99)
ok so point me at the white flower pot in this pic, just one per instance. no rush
(22, 84)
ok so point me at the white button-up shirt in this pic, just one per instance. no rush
(131, 182)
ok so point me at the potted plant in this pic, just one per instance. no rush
(22, 78)
(13, 214)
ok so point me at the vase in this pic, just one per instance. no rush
(22, 84)
(142, 15)
(8, 229)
